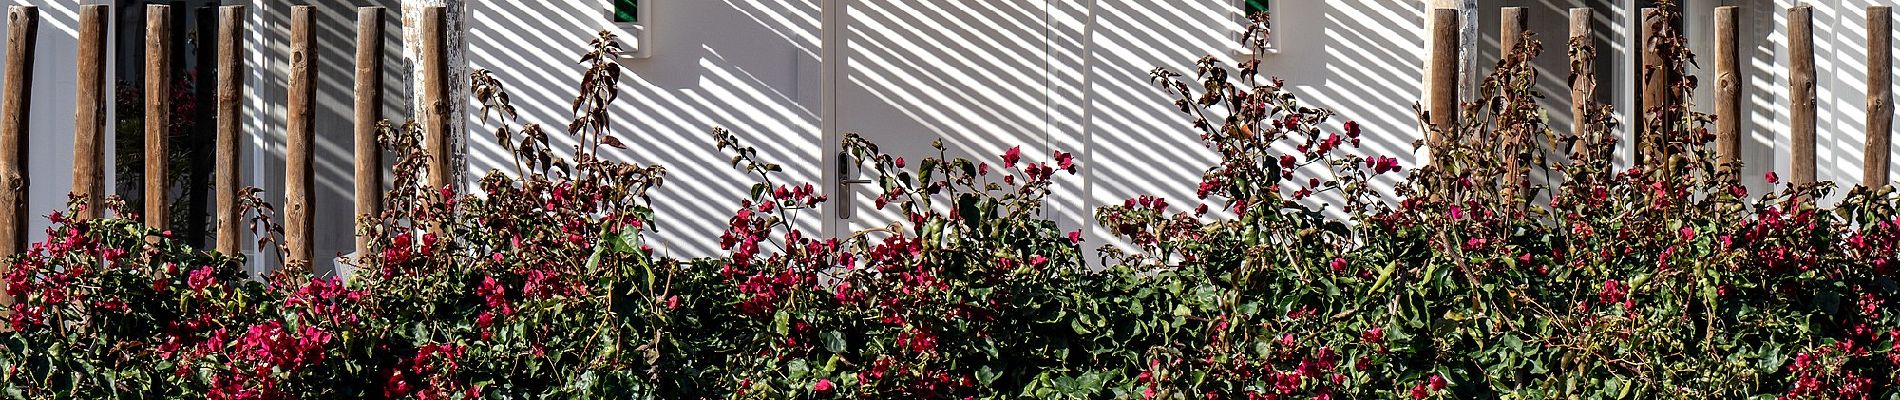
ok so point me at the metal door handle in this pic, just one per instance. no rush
(845, 198)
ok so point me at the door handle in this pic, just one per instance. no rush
(846, 199)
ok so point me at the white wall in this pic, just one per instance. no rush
(748, 65)
(754, 66)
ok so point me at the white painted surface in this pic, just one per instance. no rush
(756, 66)
(922, 72)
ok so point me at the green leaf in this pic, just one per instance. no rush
(834, 341)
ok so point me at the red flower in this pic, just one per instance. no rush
(495, 296)
(1065, 161)
(1012, 156)
(200, 279)
(823, 386)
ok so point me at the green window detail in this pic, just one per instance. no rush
(627, 11)
(1258, 6)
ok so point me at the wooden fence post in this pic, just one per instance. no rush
(22, 33)
(1443, 80)
(369, 105)
(1511, 23)
(230, 111)
(158, 112)
(1801, 83)
(1879, 163)
(298, 178)
(1728, 88)
(1583, 78)
(1510, 33)
(89, 114)
(1655, 77)
(434, 95)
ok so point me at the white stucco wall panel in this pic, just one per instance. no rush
(747, 65)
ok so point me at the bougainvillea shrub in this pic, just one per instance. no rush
(1518, 262)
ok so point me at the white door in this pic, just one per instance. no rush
(973, 73)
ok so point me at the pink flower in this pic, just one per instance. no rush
(823, 386)
(1772, 178)
(1339, 264)
(1374, 335)
(1065, 161)
(1012, 156)
(200, 279)
(495, 296)
(1075, 236)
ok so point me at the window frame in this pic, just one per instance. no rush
(636, 37)
(1240, 21)
(615, 10)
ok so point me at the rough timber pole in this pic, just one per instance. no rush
(1879, 163)
(158, 112)
(89, 112)
(22, 31)
(1801, 81)
(434, 96)
(1511, 30)
(1443, 79)
(230, 110)
(1728, 88)
(1655, 76)
(298, 183)
(369, 105)
(1583, 79)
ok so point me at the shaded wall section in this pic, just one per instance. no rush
(335, 69)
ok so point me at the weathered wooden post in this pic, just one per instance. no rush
(1801, 81)
(1443, 80)
(89, 112)
(1728, 88)
(1511, 23)
(1583, 78)
(158, 112)
(1879, 163)
(369, 105)
(1510, 35)
(230, 112)
(447, 21)
(22, 32)
(435, 82)
(1652, 118)
(299, 132)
